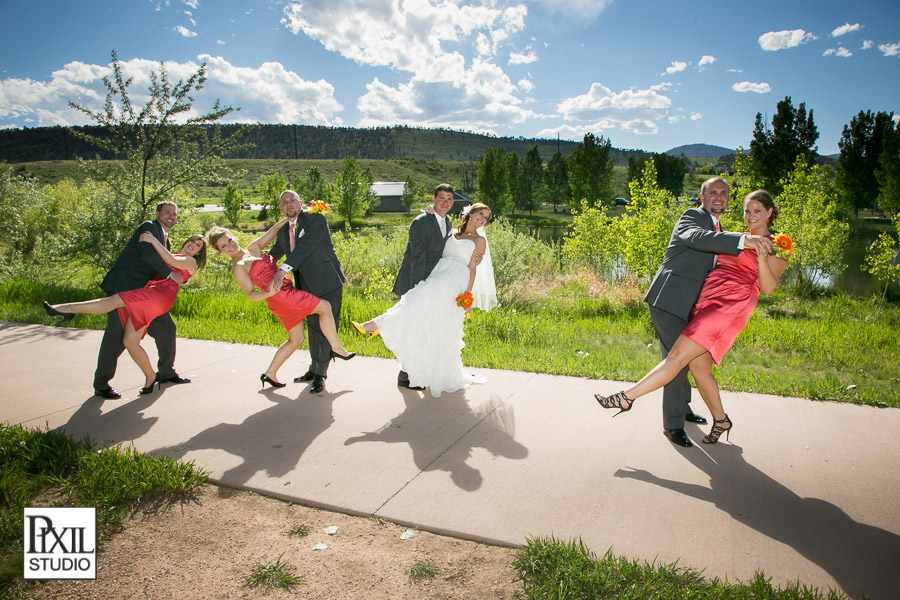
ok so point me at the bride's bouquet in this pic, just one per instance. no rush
(465, 299)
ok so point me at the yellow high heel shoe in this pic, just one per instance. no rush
(363, 331)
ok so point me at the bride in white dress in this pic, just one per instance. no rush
(424, 329)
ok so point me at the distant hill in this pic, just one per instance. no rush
(700, 150)
(307, 142)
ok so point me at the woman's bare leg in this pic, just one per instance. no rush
(295, 338)
(329, 330)
(97, 306)
(682, 353)
(701, 369)
(132, 342)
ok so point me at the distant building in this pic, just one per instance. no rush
(390, 197)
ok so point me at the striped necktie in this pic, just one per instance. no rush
(292, 236)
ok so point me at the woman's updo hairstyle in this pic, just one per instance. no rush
(764, 198)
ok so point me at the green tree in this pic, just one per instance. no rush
(592, 240)
(493, 179)
(411, 191)
(531, 181)
(808, 205)
(773, 150)
(861, 144)
(888, 172)
(159, 158)
(556, 180)
(312, 186)
(645, 229)
(670, 171)
(269, 189)
(232, 204)
(590, 171)
(883, 258)
(350, 190)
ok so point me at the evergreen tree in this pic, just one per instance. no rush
(861, 144)
(556, 178)
(773, 150)
(493, 180)
(670, 171)
(590, 170)
(531, 180)
(888, 172)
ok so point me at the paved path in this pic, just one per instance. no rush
(805, 490)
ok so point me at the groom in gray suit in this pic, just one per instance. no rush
(690, 256)
(427, 235)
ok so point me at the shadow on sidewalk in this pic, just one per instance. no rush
(859, 557)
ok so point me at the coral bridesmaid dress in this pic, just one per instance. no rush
(155, 298)
(290, 305)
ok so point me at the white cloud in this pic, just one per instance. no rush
(268, 94)
(845, 28)
(867, 44)
(695, 116)
(706, 60)
(576, 132)
(580, 10)
(839, 51)
(676, 66)
(522, 58)
(430, 41)
(526, 85)
(192, 3)
(749, 86)
(631, 110)
(890, 49)
(780, 40)
(184, 31)
(735, 70)
(220, 42)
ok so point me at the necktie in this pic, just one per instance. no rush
(718, 227)
(165, 239)
(292, 237)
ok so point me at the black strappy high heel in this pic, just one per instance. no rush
(52, 312)
(718, 430)
(335, 355)
(618, 400)
(149, 389)
(266, 379)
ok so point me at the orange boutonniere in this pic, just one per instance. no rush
(465, 299)
(784, 246)
(317, 206)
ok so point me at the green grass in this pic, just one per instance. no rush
(556, 570)
(36, 465)
(273, 574)
(423, 569)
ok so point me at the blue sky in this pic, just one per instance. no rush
(648, 74)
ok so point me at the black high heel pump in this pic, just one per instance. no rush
(146, 390)
(266, 379)
(52, 312)
(335, 355)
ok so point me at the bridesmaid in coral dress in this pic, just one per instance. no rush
(137, 308)
(291, 306)
(726, 301)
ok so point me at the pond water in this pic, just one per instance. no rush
(853, 280)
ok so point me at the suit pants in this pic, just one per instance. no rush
(161, 329)
(677, 393)
(319, 346)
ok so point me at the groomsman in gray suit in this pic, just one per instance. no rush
(690, 256)
(427, 235)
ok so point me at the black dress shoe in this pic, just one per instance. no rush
(318, 385)
(678, 436)
(692, 418)
(108, 393)
(308, 376)
(405, 384)
(175, 379)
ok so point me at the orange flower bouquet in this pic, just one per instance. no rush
(465, 299)
(317, 206)
(784, 246)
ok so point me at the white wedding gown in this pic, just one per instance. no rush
(424, 329)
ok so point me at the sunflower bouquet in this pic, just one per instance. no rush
(784, 246)
(317, 206)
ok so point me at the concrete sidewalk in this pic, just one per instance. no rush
(806, 490)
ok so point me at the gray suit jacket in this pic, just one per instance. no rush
(688, 260)
(314, 264)
(423, 251)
